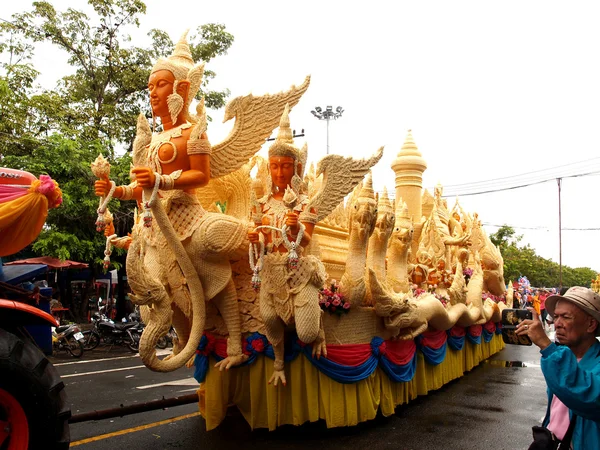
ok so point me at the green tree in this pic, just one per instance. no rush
(106, 92)
(541, 272)
(92, 111)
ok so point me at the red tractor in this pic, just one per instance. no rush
(34, 411)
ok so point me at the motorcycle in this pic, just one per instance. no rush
(167, 340)
(112, 333)
(68, 338)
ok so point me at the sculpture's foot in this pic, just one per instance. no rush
(278, 375)
(231, 361)
(319, 348)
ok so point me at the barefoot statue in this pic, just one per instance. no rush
(289, 280)
(179, 255)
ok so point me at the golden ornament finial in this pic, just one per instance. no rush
(384, 205)
(284, 144)
(409, 146)
(367, 189)
(403, 220)
(285, 132)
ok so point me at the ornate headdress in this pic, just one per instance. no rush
(284, 144)
(181, 65)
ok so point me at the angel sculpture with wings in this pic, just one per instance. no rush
(179, 253)
(285, 217)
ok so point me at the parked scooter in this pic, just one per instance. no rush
(112, 333)
(69, 339)
(167, 340)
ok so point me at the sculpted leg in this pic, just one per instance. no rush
(226, 303)
(274, 328)
(309, 324)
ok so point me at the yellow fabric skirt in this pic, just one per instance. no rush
(310, 395)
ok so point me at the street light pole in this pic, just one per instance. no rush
(327, 115)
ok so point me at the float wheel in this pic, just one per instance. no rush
(33, 402)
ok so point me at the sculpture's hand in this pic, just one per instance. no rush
(145, 177)
(101, 187)
(253, 237)
(109, 229)
(291, 220)
(277, 376)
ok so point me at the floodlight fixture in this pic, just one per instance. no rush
(327, 115)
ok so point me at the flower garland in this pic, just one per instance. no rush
(147, 204)
(256, 261)
(292, 246)
(332, 301)
(103, 205)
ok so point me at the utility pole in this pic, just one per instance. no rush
(559, 180)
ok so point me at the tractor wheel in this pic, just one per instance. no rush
(34, 411)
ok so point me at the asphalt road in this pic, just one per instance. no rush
(491, 407)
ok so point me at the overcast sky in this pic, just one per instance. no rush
(491, 90)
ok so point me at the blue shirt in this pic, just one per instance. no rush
(577, 385)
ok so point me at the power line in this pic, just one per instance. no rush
(519, 186)
(528, 174)
(540, 228)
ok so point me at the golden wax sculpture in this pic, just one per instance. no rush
(239, 264)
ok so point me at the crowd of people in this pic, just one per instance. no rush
(536, 298)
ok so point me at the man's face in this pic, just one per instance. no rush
(282, 170)
(571, 323)
(160, 86)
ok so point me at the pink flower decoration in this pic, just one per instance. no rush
(327, 304)
(346, 305)
(46, 185)
(336, 302)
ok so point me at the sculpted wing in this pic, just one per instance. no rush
(340, 175)
(255, 120)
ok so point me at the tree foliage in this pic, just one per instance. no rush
(541, 272)
(92, 111)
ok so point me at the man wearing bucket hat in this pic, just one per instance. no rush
(571, 366)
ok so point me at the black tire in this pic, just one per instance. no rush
(134, 342)
(91, 339)
(34, 382)
(74, 347)
(162, 342)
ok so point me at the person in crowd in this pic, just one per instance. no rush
(571, 366)
(535, 300)
(544, 313)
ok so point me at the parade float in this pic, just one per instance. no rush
(297, 293)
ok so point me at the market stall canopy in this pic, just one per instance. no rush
(20, 273)
(52, 263)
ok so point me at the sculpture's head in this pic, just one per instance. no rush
(286, 162)
(174, 82)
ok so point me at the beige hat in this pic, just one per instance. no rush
(582, 297)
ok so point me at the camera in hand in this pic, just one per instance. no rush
(510, 319)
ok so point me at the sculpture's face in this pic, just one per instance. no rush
(282, 171)
(418, 276)
(160, 86)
